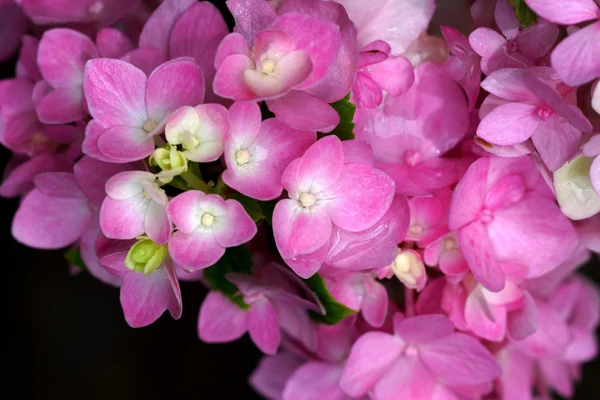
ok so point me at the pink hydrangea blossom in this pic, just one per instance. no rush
(129, 108)
(257, 153)
(206, 226)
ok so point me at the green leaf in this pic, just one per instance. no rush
(73, 257)
(267, 208)
(346, 110)
(251, 206)
(236, 259)
(334, 310)
(525, 14)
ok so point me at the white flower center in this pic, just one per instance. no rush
(208, 219)
(307, 199)
(243, 157)
(149, 125)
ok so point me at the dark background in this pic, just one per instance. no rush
(67, 338)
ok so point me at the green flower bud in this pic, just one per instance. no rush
(171, 161)
(146, 256)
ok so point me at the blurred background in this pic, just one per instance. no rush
(67, 337)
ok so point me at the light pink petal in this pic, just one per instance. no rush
(90, 258)
(551, 337)
(196, 250)
(220, 320)
(245, 121)
(229, 81)
(123, 219)
(506, 19)
(174, 84)
(251, 16)
(311, 230)
(469, 195)
(523, 322)
(271, 374)
(565, 13)
(512, 84)
(375, 303)
(156, 223)
(128, 184)
(62, 105)
(113, 43)
(234, 43)
(197, 33)
(424, 328)
(487, 43)
(236, 227)
(183, 209)
(394, 75)
(290, 70)
(262, 182)
(557, 374)
(477, 250)
(263, 327)
(485, 321)
(537, 40)
(303, 111)
(459, 359)
(315, 381)
(575, 58)
(366, 92)
(93, 131)
(369, 360)
(321, 166)
(62, 55)
(556, 142)
(146, 59)
(157, 30)
(125, 144)
(407, 379)
(360, 198)
(115, 92)
(508, 124)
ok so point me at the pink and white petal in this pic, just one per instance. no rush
(61, 106)
(484, 320)
(196, 250)
(423, 328)
(303, 111)
(556, 142)
(565, 13)
(62, 55)
(509, 124)
(272, 373)
(220, 320)
(460, 359)
(251, 16)
(575, 59)
(360, 197)
(229, 81)
(406, 379)
(123, 219)
(370, 359)
(537, 40)
(47, 222)
(375, 303)
(311, 230)
(245, 122)
(284, 144)
(112, 43)
(157, 224)
(157, 29)
(321, 165)
(183, 208)
(128, 184)
(124, 144)
(263, 327)
(146, 59)
(234, 43)
(315, 381)
(290, 70)
(394, 75)
(176, 83)
(236, 227)
(487, 43)
(115, 92)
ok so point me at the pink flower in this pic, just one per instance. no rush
(428, 217)
(380, 73)
(13, 25)
(505, 214)
(517, 48)
(20, 180)
(531, 107)
(407, 364)
(326, 193)
(298, 61)
(206, 226)
(257, 153)
(274, 308)
(575, 59)
(129, 109)
(112, 43)
(445, 253)
(134, 205)
(101, 12)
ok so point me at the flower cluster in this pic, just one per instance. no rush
(388, 214)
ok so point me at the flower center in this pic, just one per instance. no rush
(307, 200)
(450, 244)
(544, 113)
(512, 45)
(208, 219)
(486, 216)
(268, 66)
(416, 229)
(149, 125)
(243, 157)
(412, 158)
(189, 141)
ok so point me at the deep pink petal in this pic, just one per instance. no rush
(251, 16)
(506, 19)
(508, 124)
(157, 30)
(146, 59)
(62, 105)
(92, 175)
(537, 40)
(303, 111)
(575, 58)
(220, 320)
(523, 322)
(263, 327)
(113, 43)
(311, 230)
(234, 43)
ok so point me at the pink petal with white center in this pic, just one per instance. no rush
(234, 43)
(321, 166)
(477, 250)
(567, 13)
(394, 75)
(125, 144)
(303, 111)
(46, 222)
(197, 33)
(506, 19)
(145, 298)
(575, 59)
(251, 16)
(113, 43)
(128, 184)
(263, 327)
(146, 59)
(123, 219)
(62, 105)
(272, 44)
(272, 373)
(459, 359)
(316, 381)
(62, 55)
(370, 359)
(115, 92)
(383, 17)
(487, 43)
(235, 227)
(537, 40)
(174, 84)
(530, 222)
(196, 250)
(360, 197)
(423, 328)
(220, 320)
(523, 322)
(289, 71)
(157, 29)
(229, 81)
(509, 124)
(556, 142)
(484, 320)
(183, 209)
(214, 126)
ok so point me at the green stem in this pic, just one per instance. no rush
(194, 182)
